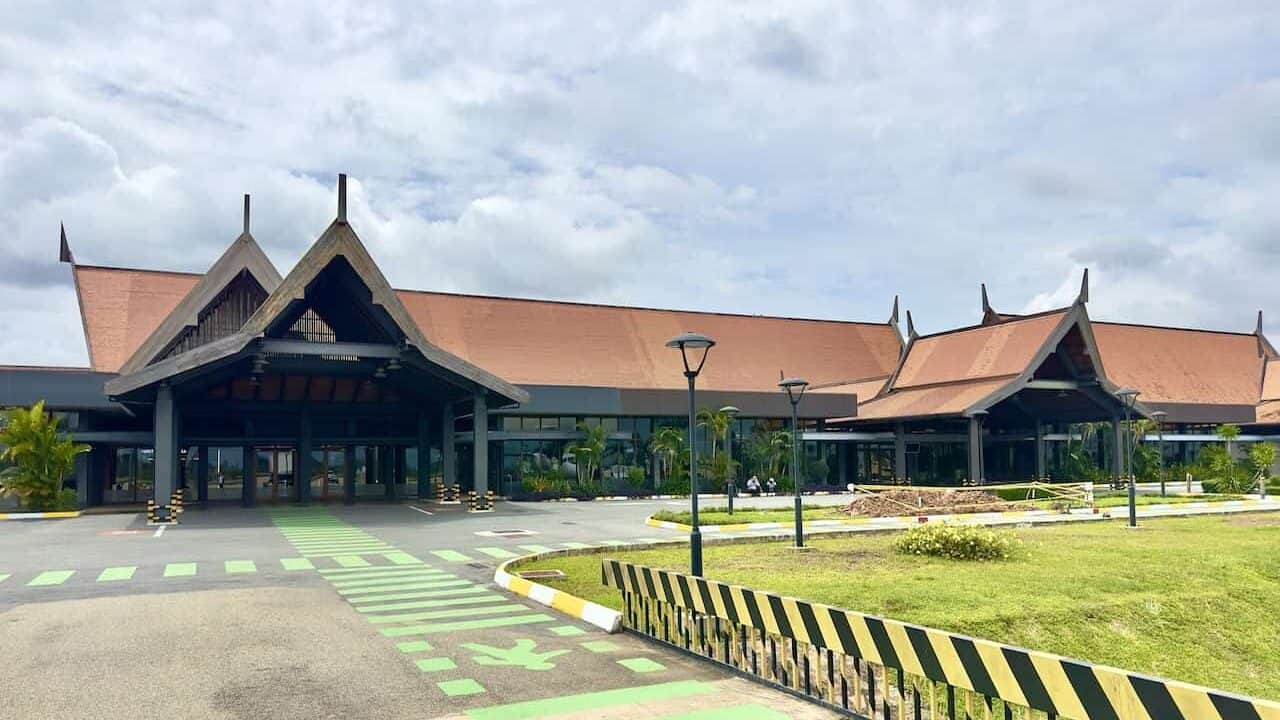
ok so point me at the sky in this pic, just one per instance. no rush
(803, 158)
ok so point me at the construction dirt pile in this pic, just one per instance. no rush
(927, 502)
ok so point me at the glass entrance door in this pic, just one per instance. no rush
(273, 474)
(326, 473)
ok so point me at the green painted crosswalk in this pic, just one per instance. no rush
(297, 564)
(450, 555)
(116, 574)
(51, 577)
(497, 552)
(240, 566)
(179, 569)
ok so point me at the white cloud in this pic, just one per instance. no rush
(807, 159)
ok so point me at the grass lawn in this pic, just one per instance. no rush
(720, 515)
(1193, 599)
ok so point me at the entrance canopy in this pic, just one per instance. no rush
(334, 317)
(1015, 369)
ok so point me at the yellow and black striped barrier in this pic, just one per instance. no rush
(477, 502)
(883, 668)
(163, 515)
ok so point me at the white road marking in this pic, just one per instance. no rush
(424, 512)
(160, 531)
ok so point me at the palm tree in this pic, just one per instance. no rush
(42, 457)
(667, 444)
(1229, 433)
(588, 452)
(717, 422)
(779, 451)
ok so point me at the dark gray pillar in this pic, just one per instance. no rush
(84, 479)
(402, 469)
(302, 462)
(480, 448)
(448, 456)
(166, 448)
(1040, 457)
(424, 456)
(975, 451)
(899, 452)
(202, 474)
(386, 474)
(249, 487)
(349, 475)
(1117, 456)
(842, 459)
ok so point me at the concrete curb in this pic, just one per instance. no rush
(1003, 517)
(600, 616)
(58, 515)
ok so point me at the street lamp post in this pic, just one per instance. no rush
(1159, 416)
(732, 413)
(697, 343)
(1129, 397)
(795, 388)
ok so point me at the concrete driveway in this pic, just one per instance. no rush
(332, 611)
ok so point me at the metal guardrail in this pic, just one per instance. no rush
(879, 669)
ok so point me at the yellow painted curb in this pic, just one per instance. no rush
(606, 619)
(57, 515)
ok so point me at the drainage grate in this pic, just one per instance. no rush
(505, 533)
(541, 574)
(480, 566)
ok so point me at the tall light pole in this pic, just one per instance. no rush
(700, 345)
(732, 413)
(1129, 397)
(1159, 416)
(795, 388)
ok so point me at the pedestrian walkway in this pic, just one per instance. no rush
(474, 642)
(316, 552)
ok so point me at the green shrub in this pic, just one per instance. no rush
(958, 542)
(674, 486)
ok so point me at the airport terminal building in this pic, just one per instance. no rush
(247, 386)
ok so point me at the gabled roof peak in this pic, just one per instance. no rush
(243, 255)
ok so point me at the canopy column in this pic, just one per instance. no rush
(480, 448)
(424, 456)
(166, 449)
(302, 466)
(900, 453)
(975, 451)
(1117, 457)
(349, 475)
(448, 457)
(1040, 456)
(249, 488)
(202, 473)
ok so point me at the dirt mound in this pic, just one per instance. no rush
(927, 502)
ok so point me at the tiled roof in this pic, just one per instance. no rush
(949, 399)
(1175, 365)
(557, 343)
(539, 342)
(947, 373)
(121, 308)
(975, 353)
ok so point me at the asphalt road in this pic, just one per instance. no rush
(377, 610)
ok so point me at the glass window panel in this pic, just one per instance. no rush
(510, 424)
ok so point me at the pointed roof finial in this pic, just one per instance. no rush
(246, 213)
(893, 316)
(1083, 297)
(911, 327)
(342, 197)
(1257, 329)
(64, 248)
(986, 304)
